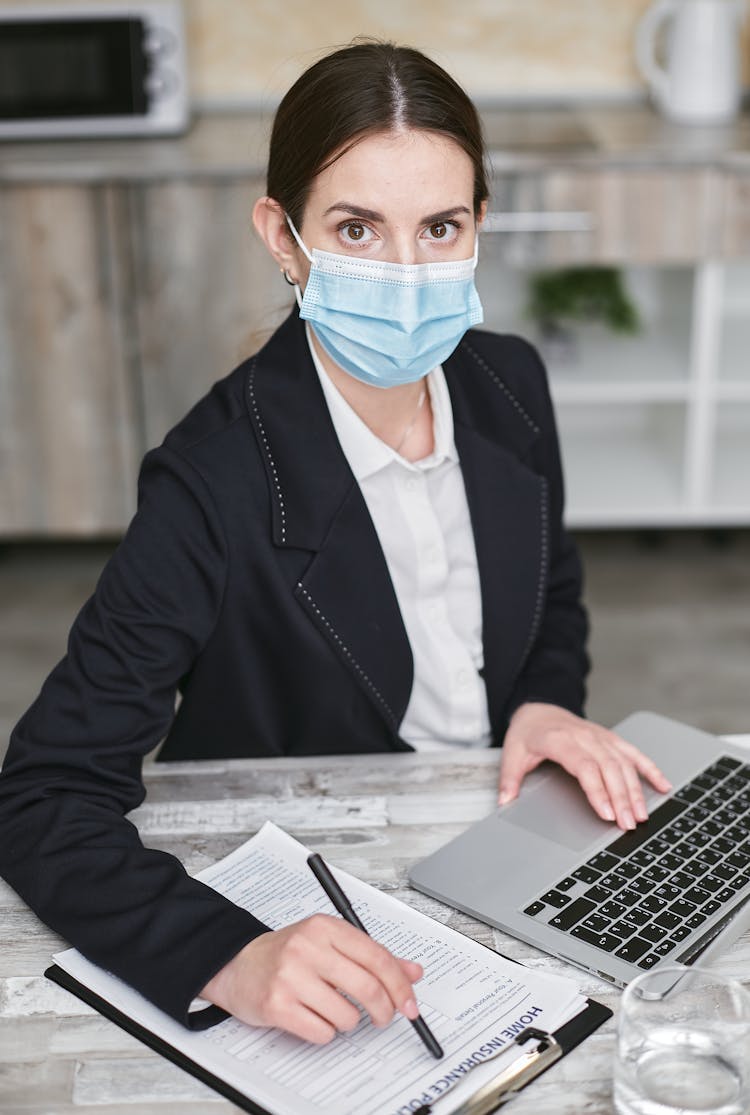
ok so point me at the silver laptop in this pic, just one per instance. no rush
(547, 870)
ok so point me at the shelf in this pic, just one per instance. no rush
(600, 366)
(624, 466)
(730, 490)
(734, 363)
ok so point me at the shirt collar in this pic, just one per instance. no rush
(367, 453)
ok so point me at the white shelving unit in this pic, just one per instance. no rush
(655, 427)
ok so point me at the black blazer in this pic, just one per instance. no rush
(252, 580)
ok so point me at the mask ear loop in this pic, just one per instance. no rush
(298, 238)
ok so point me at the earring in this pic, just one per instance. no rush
(286, 277)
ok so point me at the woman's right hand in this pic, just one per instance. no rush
(297, 979)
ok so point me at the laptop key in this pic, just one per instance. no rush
(603, 941)
(711, 883)
(721, 844)
(613, 881)
(695, 921)
(597, 894)
(649, 961)
(665, 947)
(603, 861)
(682, 908)
(738, 859)
(596, 923)
(667, 920)
(666, 890)
(633, 949)
(642, 885)
(629, 897)
(622, 929)
(697, 895)
(725, 895)
(657, 873)
(704, 781)
(653, 933)
(680, 933)
(572, 913)
(555, 898)
(709, 856)
(725, 764)
(690, 793)
(653, 903)
(670, 861)
(565, 884)
(711, 907)
(638, 917)
(663, 815)
(534, 909)
(612, 910)
(682, 880)
(586, 874)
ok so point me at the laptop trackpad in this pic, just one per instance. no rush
(555, 807)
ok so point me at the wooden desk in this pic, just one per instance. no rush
(373, 816)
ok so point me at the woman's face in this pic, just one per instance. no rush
(405, 198)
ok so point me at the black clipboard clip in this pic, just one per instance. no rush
(517, 1075)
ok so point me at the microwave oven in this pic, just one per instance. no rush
(86, 69)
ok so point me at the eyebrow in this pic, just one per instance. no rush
(373, 215)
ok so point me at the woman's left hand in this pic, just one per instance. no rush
(606, 766)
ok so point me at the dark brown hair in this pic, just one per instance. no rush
(367, 87)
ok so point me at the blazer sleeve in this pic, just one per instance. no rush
(73, 769)
(557, 663)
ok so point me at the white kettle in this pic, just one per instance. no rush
(701, 82)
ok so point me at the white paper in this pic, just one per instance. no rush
(473, 1000)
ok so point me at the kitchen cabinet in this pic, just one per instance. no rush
(206, 293)
(68, 433)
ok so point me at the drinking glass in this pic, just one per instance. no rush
(683, 1044)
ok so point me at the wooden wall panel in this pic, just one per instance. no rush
(68, 441)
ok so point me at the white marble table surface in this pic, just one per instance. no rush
(373, 816)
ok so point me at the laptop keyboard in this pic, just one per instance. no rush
(652, 887)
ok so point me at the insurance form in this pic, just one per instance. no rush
(474, 1001)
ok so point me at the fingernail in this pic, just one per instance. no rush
(410, 1009)
(628, 820)
(607, 813)
(503, 798)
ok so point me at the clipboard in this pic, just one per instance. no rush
(538, 1052)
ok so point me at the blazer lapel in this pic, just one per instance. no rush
(508, 508)
(340, 576)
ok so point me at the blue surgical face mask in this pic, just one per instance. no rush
(388, 323)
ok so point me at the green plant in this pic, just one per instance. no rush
(582, 294)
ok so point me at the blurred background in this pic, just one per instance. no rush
(618, 241)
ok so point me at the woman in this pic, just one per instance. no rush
(354, 543)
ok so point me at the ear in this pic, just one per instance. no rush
(481, 215)
(270, 224)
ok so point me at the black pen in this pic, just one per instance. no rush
(322, 873)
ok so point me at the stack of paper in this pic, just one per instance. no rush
(473, 1000)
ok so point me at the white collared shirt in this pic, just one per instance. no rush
(421, 516)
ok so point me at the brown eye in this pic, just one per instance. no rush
(355, 232)
(439, 230)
